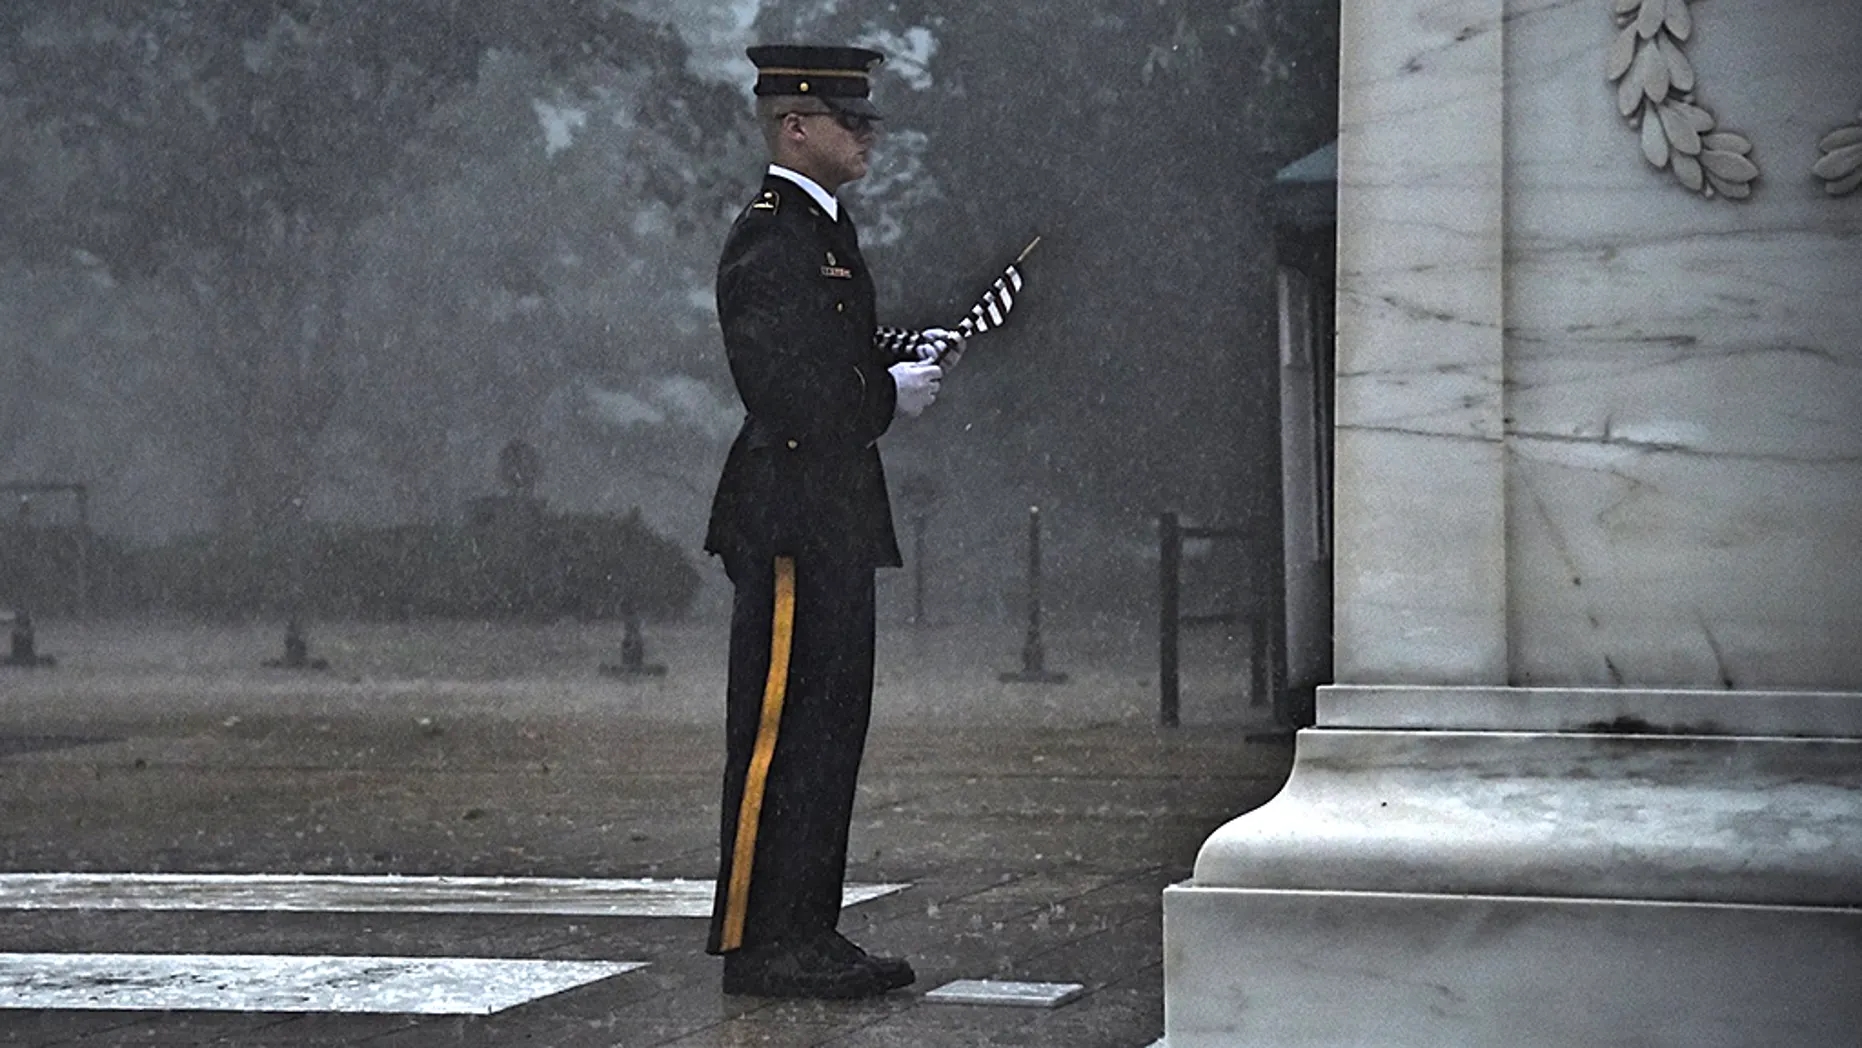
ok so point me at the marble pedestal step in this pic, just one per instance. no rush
(1647, 868)
(1295, 969)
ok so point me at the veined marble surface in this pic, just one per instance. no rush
(1420, 586)
(1729, 820)
(1684, 376)
(1594, 429)
(1314, 969)
(1536, 867)
(1778, 715)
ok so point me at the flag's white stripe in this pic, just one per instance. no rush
(272, 983)
(373, 894)
(992, 309)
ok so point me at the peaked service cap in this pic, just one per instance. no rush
(841, 77)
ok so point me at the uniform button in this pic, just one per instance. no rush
(840, 307)
(791, 445)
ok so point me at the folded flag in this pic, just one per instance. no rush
(992, 309)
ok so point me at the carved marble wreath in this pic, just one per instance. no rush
(1841, 164)
(1655, 92)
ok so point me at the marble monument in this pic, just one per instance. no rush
(1591, 770)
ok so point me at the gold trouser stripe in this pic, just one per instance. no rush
(775, 690)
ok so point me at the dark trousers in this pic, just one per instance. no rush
(796, 840)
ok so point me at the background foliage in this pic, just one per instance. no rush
(581, 566)
(274, 260)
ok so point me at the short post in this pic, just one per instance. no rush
(1169, 618)
(23, 648)
(918, 569)
(1260, 662)
(918, 495)
(296, 639)
(296, 649)
(296, 646)
(633, 652)
(1034, 654)
(84, 551)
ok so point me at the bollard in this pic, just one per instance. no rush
(1034, 655)
(23, 652)
(1169, 593)
(296, 640)
(633, 653)
(918, 570)
(296, 650)
(23, 649)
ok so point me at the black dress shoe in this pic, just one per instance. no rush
(802, 969)
(894, 971)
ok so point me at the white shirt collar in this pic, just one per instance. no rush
(813, 188)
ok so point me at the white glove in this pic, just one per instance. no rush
(917, 384)
(941, 345)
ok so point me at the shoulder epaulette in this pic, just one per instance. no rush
(769, 201)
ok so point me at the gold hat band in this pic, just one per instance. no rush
(814, 72)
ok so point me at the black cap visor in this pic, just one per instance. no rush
(855, 107)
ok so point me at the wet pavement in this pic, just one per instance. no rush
(1034, 826)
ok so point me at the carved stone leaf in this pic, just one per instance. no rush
(1728, 167)
(1845, 186)
(1842, 136)
(1699, 119)
(1681, 134)
(1655, 83)
(1680, 20)
(1688, 170)
(1623, 52)
(1628, 95)
(1651, 72)
(1654, 142)
(1649, 20)
(1730, 190)
(1680, 70)
(1838, 163)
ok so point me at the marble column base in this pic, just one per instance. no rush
(1531, 867)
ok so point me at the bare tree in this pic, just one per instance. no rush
(231, 150)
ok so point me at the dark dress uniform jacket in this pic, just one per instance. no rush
(803, 478)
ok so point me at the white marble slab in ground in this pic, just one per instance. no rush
(332, 893)
(1003, 992)
(263, 983)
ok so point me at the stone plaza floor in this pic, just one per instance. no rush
(1032, 829)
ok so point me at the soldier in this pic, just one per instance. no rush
(801, 521)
